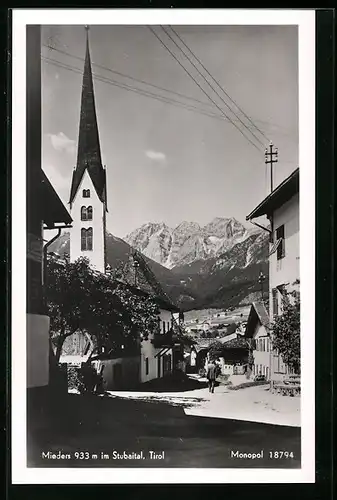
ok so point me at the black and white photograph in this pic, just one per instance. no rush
(165, 293)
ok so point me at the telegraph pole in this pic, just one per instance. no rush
(261, 280)
(271, 157)
(135, 265)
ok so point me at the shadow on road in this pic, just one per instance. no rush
(173, 383)
(98, 425)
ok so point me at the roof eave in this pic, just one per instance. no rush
(269, 204)
(54, 212)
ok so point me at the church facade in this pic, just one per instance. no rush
(88, 194)
(88, 207)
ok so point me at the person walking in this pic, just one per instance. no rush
(211, 375)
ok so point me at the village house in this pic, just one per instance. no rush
(161, 353)
(281, 208)
(258, 330)
(45, 211)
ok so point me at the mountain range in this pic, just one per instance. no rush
(188, 242)
(216, 265)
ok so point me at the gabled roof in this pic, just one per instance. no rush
(89, 151)
(52, 209)
(161, 303)
(258, 313)
(238, 343)
(283, 193)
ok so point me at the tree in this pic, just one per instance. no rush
(286, 330)
(68, 295)
(80, 299)
(215, 349)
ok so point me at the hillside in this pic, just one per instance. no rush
(225, 280)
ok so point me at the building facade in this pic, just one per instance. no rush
(157, 351)
(281, 208)
(45, 211)
(258, 330)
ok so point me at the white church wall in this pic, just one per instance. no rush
(96, 255)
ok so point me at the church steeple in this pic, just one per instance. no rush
(89, 151)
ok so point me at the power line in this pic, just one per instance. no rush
(217, 93)
(195, 81)
(124, 75)
(145, 93)
(129, 76)
(218, 84)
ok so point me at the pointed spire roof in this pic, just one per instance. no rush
(89, 151)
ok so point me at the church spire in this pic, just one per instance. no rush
(89, 151)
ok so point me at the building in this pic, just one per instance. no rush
(281, 208)
(45, 211)
(258, 330)
(88, 194)
(161, 353)
(157, 355)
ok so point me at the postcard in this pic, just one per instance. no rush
(164, 291)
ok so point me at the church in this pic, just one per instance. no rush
(88, 207)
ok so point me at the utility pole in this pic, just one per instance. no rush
(271, 157)
(135, 265)
(262, 279)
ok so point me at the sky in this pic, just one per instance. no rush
(166, 163)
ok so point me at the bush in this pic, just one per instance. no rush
(75, 379)
(287, 330)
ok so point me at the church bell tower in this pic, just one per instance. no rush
(88, 194)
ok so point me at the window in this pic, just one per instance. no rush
(146, 366)
(281, 246)
(86, 213)
(86, 193)
(164, 327)
(267, 345)
(275, 301)
(86, 239)
(168, 326)
(83, 213)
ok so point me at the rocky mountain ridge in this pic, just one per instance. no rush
(216, 265)
(188, 242)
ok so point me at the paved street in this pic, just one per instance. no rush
(100, 426)
(253, 404)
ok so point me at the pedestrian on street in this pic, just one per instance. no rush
(211, 375)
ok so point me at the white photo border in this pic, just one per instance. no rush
(305, 20)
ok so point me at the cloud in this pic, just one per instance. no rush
(61, 142)
(155, 155)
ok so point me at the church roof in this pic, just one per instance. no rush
(89, 152)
